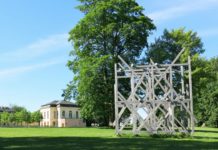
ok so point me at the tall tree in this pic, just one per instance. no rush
(108, 29)
(166, 47)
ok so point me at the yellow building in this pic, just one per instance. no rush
(61, 114)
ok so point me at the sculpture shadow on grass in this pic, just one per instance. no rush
(208, 131)
(94, 143)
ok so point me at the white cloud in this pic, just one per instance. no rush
(9, 72)
(31, 57)
(182, 9)
(208, 32)
(36, 49)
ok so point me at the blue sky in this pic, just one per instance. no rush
(34, 48)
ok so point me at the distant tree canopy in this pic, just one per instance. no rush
(119, 27)
(108, 29)
(166, 47)
(19, 115)
(205, 87)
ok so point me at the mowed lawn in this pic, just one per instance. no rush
(100, 138)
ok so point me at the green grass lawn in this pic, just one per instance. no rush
(97, 138)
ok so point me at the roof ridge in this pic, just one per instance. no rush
(60, 102)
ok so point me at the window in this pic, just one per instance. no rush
(63, 114)
(44, 115)
(55, 114)
(77, 114)
(70, 114)
(47, 114)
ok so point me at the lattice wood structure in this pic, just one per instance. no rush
(156, 97)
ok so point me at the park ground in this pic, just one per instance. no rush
(100, 138)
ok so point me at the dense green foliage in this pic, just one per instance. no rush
(19, 117)
(204, 72)
(109, 28)
(166, 47)
(119, 27)
(97, 138)
(205, 77)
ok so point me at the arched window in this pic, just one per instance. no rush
(63, 114)
(70, 114)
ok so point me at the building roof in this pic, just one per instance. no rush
(6, 109)
(60, 103)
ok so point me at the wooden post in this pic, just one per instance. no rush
(182, 79)
(182, 92)
(134, 119)
(116, 100)
(152, 98)
(190, 90)
(171, 100)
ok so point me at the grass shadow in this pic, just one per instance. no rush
(205, 137)
(95, 143)
(208, 131)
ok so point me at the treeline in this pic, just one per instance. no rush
(205, 88)
(19, 116)
(113, 27)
